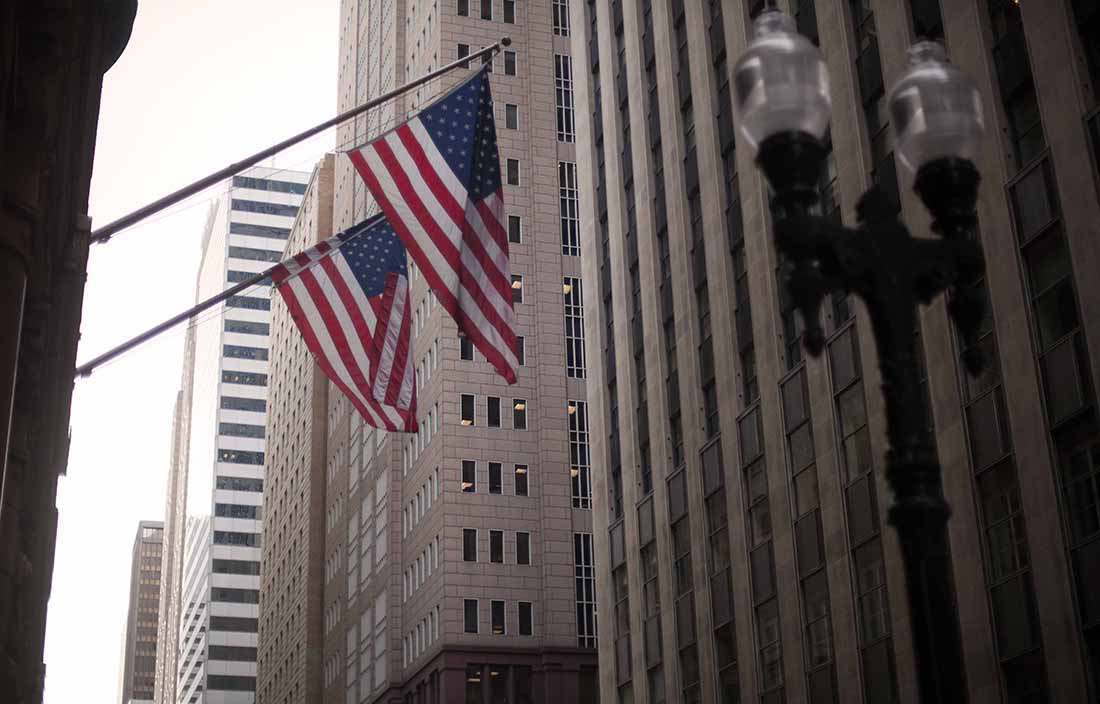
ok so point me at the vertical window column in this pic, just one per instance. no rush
(574, 327)
(580, 473)
(684, 587)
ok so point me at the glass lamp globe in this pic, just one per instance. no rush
(780, 82)
(936, 109)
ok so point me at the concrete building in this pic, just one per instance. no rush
(290, 656)
(741, 541)
(457, 563)
(140, 645)
(214, 506)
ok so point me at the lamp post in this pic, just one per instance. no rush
(782, 108)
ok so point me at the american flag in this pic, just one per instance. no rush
(349, 297)
(437, 179)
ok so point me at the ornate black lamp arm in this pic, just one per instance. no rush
(893, 272)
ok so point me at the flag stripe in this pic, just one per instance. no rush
(408, 210)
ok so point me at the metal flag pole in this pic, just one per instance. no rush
(107, 231)
(88, 367)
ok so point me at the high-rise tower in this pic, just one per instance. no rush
(740, 525)
(140, 649)
(216, 483)
(457, 562)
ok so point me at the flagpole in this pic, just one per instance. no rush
(86, 369)
(107, 231)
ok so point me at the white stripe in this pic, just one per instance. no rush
(439, 263)
(390, 341)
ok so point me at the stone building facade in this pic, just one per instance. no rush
(740, 518)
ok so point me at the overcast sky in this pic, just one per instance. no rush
(201, 84)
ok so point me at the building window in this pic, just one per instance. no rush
(463, 52)
(496, 613)
(467, 409)
(469, 545)
(515, 229)
(469, 476)
(496, 478)
(512, 171)
(463, 8)
(509, 63)
(568, 209)
(469, 615)
(496, 546)
(493, 412)
(465, 348)
(509, 11)
(574, 327)
(520, 475)
(521, 350)
(242, 352)
(511, 116)
(585, 577)
(486, 9)
(523, 548)
(526, 618)
(487, 60)
(517, 288)
(561, 18)
(519, 414)
(563, 96)
(579, 467)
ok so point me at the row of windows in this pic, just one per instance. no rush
(496, 546)
(254, 255)
(249, 303)
(420, 503)
(256, 206)
(421, 568)
(241, 457)
(493, 414)
(237, 403)
(263, 184)
(237, 511)
(418, 639)
(247, 228)
(471, 617)
(466, 349)
(241, 430)
(247, 567)
(235, 596)
(239, 483)
(232, 537)
(520, 475)
(487, 59)
(243, 352)
(420, 440)
(246, 327)
(484, 9)
(246, 378)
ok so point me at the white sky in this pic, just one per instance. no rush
(201, 84)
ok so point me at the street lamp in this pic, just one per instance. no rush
(782, 108)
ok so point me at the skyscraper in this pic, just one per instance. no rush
(740, 510)
(140, 648)
(457, 562)
(216, 483)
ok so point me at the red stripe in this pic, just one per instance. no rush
(362, 329)
(447, 297)
(473, 290)
(470, 237)
(402, 358)
(299, 317)
(494, 221)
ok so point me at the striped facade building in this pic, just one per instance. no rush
(742, 549)
(215, 505)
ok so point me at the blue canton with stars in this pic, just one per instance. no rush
(461, 125)
(373, 251)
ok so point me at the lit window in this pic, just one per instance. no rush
(519, 414)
